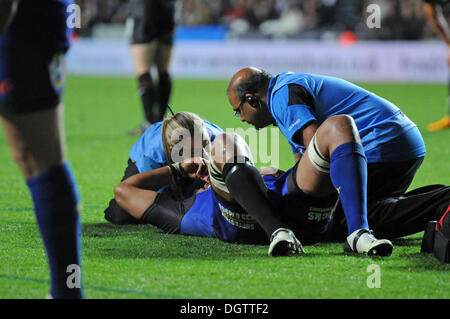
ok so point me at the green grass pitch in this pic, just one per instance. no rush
(142, 262)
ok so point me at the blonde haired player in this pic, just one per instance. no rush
(179, 136)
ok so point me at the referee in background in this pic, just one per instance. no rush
(154, 24)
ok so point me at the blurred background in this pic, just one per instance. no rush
(215, 38)
(269, 19)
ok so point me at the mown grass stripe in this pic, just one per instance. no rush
(24, 209)
(99, 288)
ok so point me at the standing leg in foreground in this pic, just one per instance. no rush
(31, 70)
(37, 144)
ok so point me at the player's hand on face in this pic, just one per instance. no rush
(196, 168)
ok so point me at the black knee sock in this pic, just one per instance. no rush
(147, 93)
(248, 189)
(164, 90)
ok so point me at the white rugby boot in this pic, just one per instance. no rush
(284, 243)
(361, 241)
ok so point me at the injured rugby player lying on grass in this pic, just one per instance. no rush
(242, 205)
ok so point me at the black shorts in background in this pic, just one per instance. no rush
(153, 20)
(390, 179)
(391, 211)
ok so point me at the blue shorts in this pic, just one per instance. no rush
(210, 217)
(32, 57)
(308, 217)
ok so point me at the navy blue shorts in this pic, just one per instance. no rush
(32, 57)
(308, 217)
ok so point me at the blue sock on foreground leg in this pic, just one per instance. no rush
(348, 172)
(55, 203)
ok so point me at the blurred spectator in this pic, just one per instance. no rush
(291, 22)
(400, 19)
(259, 11)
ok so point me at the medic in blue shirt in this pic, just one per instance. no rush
(298, 103)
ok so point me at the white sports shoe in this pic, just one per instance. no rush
(284, 243)
(362, 241)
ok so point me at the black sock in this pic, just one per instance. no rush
(147, 94)
(164, 90)
(249, 190)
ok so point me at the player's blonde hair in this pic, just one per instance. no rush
(172, 128)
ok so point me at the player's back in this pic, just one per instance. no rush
(334, 96)
(148, 152)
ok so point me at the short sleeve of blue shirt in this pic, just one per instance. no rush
(148, 151)
(290, 117)
(296, 148)
(213, 130)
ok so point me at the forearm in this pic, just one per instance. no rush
(7, 11)
(138, 192)
(151, 180)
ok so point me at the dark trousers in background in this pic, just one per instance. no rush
(391, 211)
(114, 213)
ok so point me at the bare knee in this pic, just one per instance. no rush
(219, 153)
(22, 159)
(36, 140)
(33, 161)
(162, 57)
(340, 124)
(336, 130)
(229, 146)
(119, 193)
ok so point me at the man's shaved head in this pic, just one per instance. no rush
(247, 92)
(248, 80)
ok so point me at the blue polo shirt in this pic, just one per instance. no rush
(387, 134)
(148, 152)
